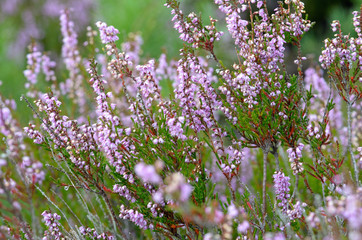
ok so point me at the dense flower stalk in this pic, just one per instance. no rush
(135, 217)
(295, 155)
(281, 186)
(51, 220)
(72, 60)
(197, 97)
(108, 34)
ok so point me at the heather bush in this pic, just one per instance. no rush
(125, 147)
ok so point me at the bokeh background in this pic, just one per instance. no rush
(23, 21)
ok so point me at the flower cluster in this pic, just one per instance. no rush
(294, 23)
(93, 233)
(34, 170)
(51, 220)
(135, 217)
(147, 173)
(34, 134)
(295, 154)
(124, 192)
(17, 149)
(343, 50)
(108, 34)
(38, 62)
(281, 186)
(177, 188)
(235, 24)
(72, 61)
(34, 66)
(198, 99)
(297, 211)
(191, 29)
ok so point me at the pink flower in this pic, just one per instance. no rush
(147, 173)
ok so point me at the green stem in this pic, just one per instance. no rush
(349, 146)
(295, 186)
(276, 157)
(265, 156)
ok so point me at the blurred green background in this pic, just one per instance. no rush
(152, 20)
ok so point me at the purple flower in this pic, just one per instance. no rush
(72, 60)
(191, 29)
(281, 187)
(198, 98)
(124, 192)
(147, 173)
(135, 217)
(108, 34)
(297, 211)
(232, 211)
(34, 59)
(70, 52)
(34, 134)
(48, 68)
(295, 155)
(321, 91)
(178, 188)
(343, 50)
(243, 227)
(91, 232)
(52, 223)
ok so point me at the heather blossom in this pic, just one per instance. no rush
(359, 149)
(177, 187)
(34, 60)
(51, 220)
(191, 29)
(147, 173)
(72, 61)
(342, 58)
(93, 233)
(135, 217)
(108, 34)
(124, 192)
(9, 127)
(297, 211)
(295, 155)
(281, 186)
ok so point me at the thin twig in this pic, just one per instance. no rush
(265, 157)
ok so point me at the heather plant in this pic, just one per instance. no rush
(125, 147)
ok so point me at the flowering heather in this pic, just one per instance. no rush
(342, 58)
(147, 173)
(121, 146)
(108, 34)
(281, 185)
(52, 222)
(295, 154)
(91, 232)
